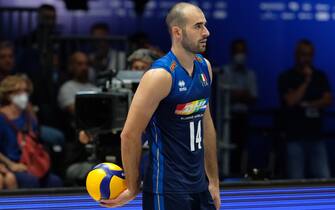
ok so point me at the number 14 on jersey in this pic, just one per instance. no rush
(195, 136)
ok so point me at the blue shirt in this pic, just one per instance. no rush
(8, 141)
(175, 132)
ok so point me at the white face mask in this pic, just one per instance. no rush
(20, 100)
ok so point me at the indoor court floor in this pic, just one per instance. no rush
(256, 198)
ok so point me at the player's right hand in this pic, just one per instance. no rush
(125, 197)
(215, 193)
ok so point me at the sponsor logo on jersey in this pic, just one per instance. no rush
(181, 85)
(173, 66)
(203, 79)
(191, 107)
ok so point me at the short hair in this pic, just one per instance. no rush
(305, 42)
(11, 84)
(237, 42)
(73, 56)
(144, 55)
(100, 25)
(46, 7)
(6, 45)
(176, 16)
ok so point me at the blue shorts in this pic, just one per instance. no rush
(178, 201)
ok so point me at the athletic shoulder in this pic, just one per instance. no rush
(157, 74)
(157, 79)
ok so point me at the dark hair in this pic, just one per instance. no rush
(101, 25)
(238, 42)
(5, 45)
(305, 42)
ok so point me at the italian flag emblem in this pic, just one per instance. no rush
(203, 79)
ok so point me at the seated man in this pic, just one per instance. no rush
(14, 93)
(78, 67)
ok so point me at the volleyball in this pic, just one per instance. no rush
(105, 181)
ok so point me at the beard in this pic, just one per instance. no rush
(197, 47)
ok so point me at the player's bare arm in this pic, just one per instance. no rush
(211, 166)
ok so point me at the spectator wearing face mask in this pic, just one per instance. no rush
(243, 90)
(15, 113)
(7, 62)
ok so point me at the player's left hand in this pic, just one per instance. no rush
(121, 200)
(215, 193)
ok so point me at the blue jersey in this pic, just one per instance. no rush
(175, 132)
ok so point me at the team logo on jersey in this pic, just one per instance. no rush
(203, 79)
(181, 85)
(191, 107)
(173, 66)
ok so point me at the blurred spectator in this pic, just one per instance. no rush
(35, 59)
(78, 170)
(7, 61)
(138, 40)
(14, 93)
(241, 81)
(140, 60)
(104, 56)
(46, 27)
(304, 92)
(78, 67)
(7, 178)
(141, 40)
(49, 135)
